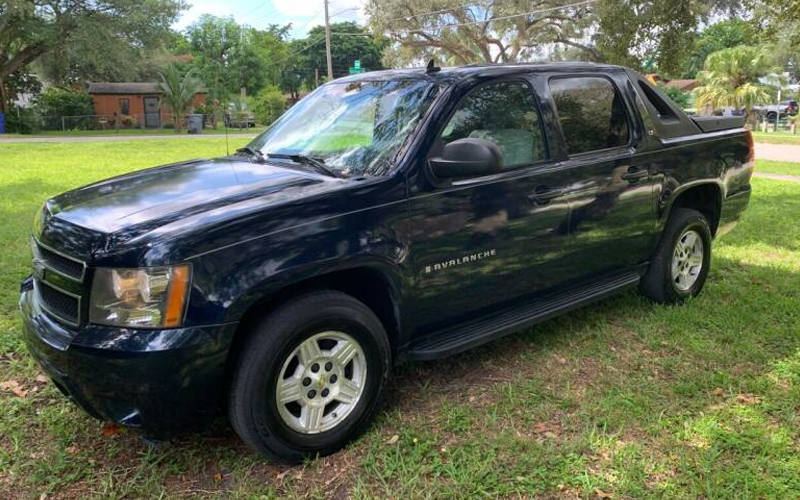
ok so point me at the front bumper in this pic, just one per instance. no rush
(159, 380)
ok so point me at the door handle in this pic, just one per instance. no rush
(542, 195)
(634, 174)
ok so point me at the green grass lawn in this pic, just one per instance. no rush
(131, 131)
(776, 137)
(778, 167)
(624, 398)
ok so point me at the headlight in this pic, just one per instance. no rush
(152, 297)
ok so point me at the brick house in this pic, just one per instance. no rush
(139, 100)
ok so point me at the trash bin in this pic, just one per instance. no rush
(195, 123)
(2, 123)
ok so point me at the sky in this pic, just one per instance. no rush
(302, 14)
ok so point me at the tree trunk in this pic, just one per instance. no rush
(3, 98)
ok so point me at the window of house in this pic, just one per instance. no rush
(591, 112)
(504, 113)
(124, 107)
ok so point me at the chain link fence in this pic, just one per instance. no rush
(146, 121)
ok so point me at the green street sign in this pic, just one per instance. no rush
(356, 67)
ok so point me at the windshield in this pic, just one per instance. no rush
(354, 128)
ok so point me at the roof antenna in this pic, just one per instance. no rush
(225, 124)
(432, 68)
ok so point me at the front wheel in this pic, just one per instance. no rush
(681, 263)
(311, 376)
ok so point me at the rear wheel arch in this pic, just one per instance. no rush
(706, 198)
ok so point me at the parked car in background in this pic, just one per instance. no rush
(772, 111)
(238, 116)
(388, 216)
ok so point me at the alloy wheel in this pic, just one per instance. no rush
(321, 382)
(687, 259)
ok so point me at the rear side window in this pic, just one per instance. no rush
(504, 113)
(591, 113)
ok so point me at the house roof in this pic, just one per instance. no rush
(130, 88)
(685, 85)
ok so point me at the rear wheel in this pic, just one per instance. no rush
(681, 263)
(311, 376)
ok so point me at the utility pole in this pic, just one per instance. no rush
(328, 42)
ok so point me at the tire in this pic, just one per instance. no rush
(279, 353)
(660, 283)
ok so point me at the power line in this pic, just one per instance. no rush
(414, 16)
(343, 11)
(296, 52)
(502, 18)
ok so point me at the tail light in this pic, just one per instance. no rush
(751, 145)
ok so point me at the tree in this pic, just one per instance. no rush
(31, 29)
(60, 102)
(653, 35)
(637, 33)
(775, 16)
(718, 36)
(681, 98)
(179, 91)
(480, 31)
(269, 104)
(730, 78)
(349, 42)
(229, 56)
(778, 22)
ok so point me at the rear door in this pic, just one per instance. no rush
(480, 243)
(612, 210)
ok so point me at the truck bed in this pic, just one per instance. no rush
(717, 123)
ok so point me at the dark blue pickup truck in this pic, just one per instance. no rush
(388, 216)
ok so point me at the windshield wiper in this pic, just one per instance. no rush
(314, 163)
(253, 153)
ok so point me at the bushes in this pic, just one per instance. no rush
(681, 98)
(269, 105)
(60, 102)
(22, 121)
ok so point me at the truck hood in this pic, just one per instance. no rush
(157, 196)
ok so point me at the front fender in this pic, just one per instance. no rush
(229, 282)
(292, 279)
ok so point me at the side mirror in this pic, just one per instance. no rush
(468, 157)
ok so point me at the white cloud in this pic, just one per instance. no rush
(303, 14)
(346, 9)
(200, 7)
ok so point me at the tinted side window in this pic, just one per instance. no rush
(504, 113)
(591, 113)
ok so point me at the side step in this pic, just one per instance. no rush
(461, 337)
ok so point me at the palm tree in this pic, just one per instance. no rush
(732, 78)
(179, 90)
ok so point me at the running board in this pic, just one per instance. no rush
(456, 339)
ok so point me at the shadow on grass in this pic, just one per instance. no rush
(629, 366)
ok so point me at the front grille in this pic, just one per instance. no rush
(62, 264)
(59, 303)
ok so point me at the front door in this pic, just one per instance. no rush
(612, 220)
(152, 114)
(480, 243)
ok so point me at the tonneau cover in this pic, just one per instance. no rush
(717, 123)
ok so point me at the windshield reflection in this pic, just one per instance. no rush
(355, 128)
